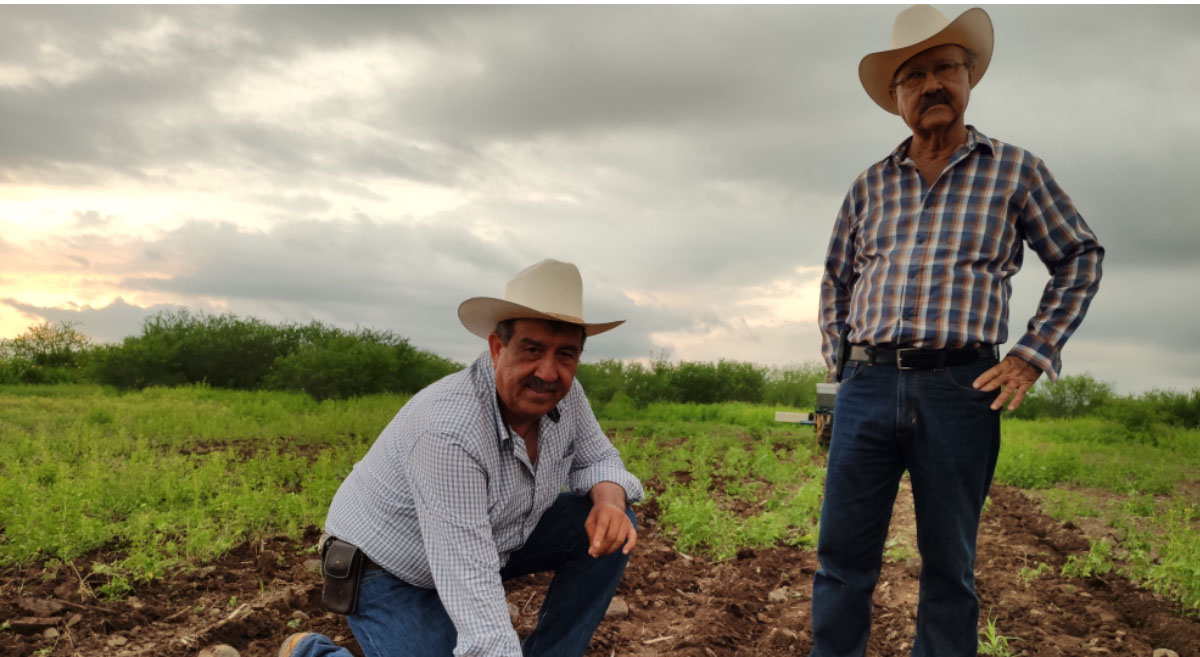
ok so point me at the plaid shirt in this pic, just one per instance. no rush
(929, 266)
(447, 493)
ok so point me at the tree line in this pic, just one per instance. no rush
(183, 348)
(226, 351)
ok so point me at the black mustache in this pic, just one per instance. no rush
(939, 97)
(538, 385)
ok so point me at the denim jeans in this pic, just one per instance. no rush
(935, 425)
(396, 619)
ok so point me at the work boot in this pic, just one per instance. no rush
(290, 643)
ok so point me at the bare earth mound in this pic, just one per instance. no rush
(755, 605)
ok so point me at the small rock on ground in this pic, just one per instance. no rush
(618, 609)
(513, 612)
(219, 650)
(1165, 652)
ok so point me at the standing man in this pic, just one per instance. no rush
(465, 488)
(916, 285)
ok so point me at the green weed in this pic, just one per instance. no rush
(1029, 574)
(992, 643)
(1095, 563)
(896, 550)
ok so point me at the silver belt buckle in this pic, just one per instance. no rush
(900, 358)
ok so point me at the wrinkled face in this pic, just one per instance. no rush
(534, 371)
(932, 88)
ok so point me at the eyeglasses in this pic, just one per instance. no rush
(944, 71)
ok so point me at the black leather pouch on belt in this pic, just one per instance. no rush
(843, 353)
(343, 571)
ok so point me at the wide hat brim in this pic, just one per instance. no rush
(971, 30)
(481, 314)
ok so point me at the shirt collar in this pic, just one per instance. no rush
(485, 386)
(975, 138)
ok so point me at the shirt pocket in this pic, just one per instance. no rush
(510, 499)
(986, 230)
(558, 473)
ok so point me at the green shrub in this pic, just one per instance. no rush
(342, 366)
(180, 347)
(696, 383)
(652, 384)
(795, 387)
(1071, 396)
(48, 345)
(352, 364)
(604, 380)
(20, 370)
(740, 382)
(1175, 408)
(1138, 419)
(45, 353)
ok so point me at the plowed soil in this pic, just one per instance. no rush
(755, 605)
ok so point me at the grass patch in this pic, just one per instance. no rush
(162, 477)
(727, 483)
(1095, 453)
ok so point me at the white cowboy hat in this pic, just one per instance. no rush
(549, 290)
(917, 29)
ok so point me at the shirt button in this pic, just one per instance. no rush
(920, 239)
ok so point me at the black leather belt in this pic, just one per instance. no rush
(921, 359)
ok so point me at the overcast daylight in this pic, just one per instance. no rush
(374, 166)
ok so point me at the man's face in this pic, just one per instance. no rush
(534, 371)
(938, 99)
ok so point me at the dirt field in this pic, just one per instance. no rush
(756, 605)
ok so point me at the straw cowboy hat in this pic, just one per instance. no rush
(549, 290)
(918, 29)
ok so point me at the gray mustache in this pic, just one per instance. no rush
(538, 385)
(938, 97)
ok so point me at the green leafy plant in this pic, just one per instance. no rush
(1029, 574)
(994, 644)
(1095, 563)
(896, 549)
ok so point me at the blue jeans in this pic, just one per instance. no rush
(935, 425)
(396, 619)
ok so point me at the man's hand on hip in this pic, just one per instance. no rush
(607, 525)
(1014, 375)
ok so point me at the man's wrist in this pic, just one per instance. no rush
(609, 493)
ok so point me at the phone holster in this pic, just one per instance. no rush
(342, 568)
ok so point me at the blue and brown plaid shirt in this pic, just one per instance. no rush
(447, 493)
(911, 264)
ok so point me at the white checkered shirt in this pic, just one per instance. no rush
(447, 493)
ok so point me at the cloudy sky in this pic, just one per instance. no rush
(375, 166)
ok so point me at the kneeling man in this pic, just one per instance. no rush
(493, 472)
